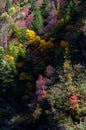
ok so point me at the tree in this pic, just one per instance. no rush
(38, 20)
(8, 5)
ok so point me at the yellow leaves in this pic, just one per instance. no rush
(16, 49)
(30, 33)
(10, 58)
(45, 45)
(20, 45)
(51, 39)
(32, 36)
(66, 50)
(69, 76)
(67, 70)
(67, 64)
(72, 88)
(42, 44)
(12, 11)
(64, 43)
(62, 20)
(20, 64)
(37, 38)
(37, 111)
(66, 46)
(23, 76)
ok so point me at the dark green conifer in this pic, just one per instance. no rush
(38, 20)
(8, 5)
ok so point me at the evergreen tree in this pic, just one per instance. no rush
(32, 2)
(8, 5)
(38, 20)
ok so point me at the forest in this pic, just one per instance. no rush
(42, 64)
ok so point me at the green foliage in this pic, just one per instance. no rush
(45, 11)
(59, 29)
(60, 93)
(2, 53)
(69, 11)
(27, 55)
(20, 34)
(32, 2)
(11, 11)
(16, 50)
(38, 20)
(8, 5)
(7, 75)
(82, 125)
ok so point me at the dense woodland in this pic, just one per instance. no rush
(42, 64)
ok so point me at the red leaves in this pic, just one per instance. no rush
(74, 101)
